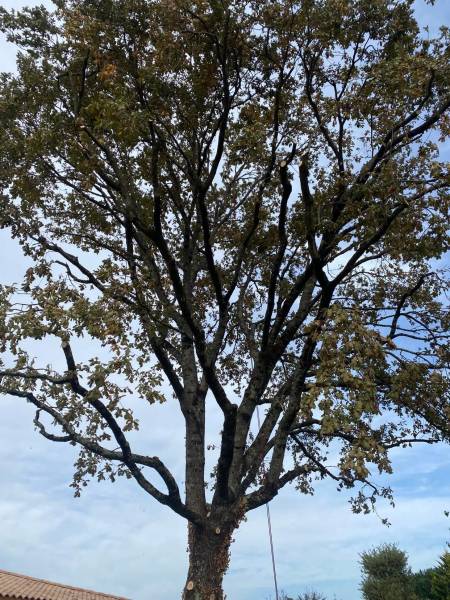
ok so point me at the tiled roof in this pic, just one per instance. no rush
(13, 585)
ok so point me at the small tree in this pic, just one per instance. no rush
(309, 595)
(422, 584)
(386, 575)
(440, 579)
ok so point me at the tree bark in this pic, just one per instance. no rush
(209, 554)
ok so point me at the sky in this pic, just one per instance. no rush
(116, 539)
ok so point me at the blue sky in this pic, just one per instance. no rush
(116, 539)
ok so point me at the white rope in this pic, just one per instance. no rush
(269, 526)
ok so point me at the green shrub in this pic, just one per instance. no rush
(422, 584)
(440, 579)
(386, 574)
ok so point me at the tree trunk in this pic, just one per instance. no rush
(209, 553)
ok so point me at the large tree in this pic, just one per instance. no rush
(244, 201)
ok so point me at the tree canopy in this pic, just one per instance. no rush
(386, 574)
(244, 202)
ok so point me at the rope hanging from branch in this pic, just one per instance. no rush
(269, 526)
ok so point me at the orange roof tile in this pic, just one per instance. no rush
(13, 585)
